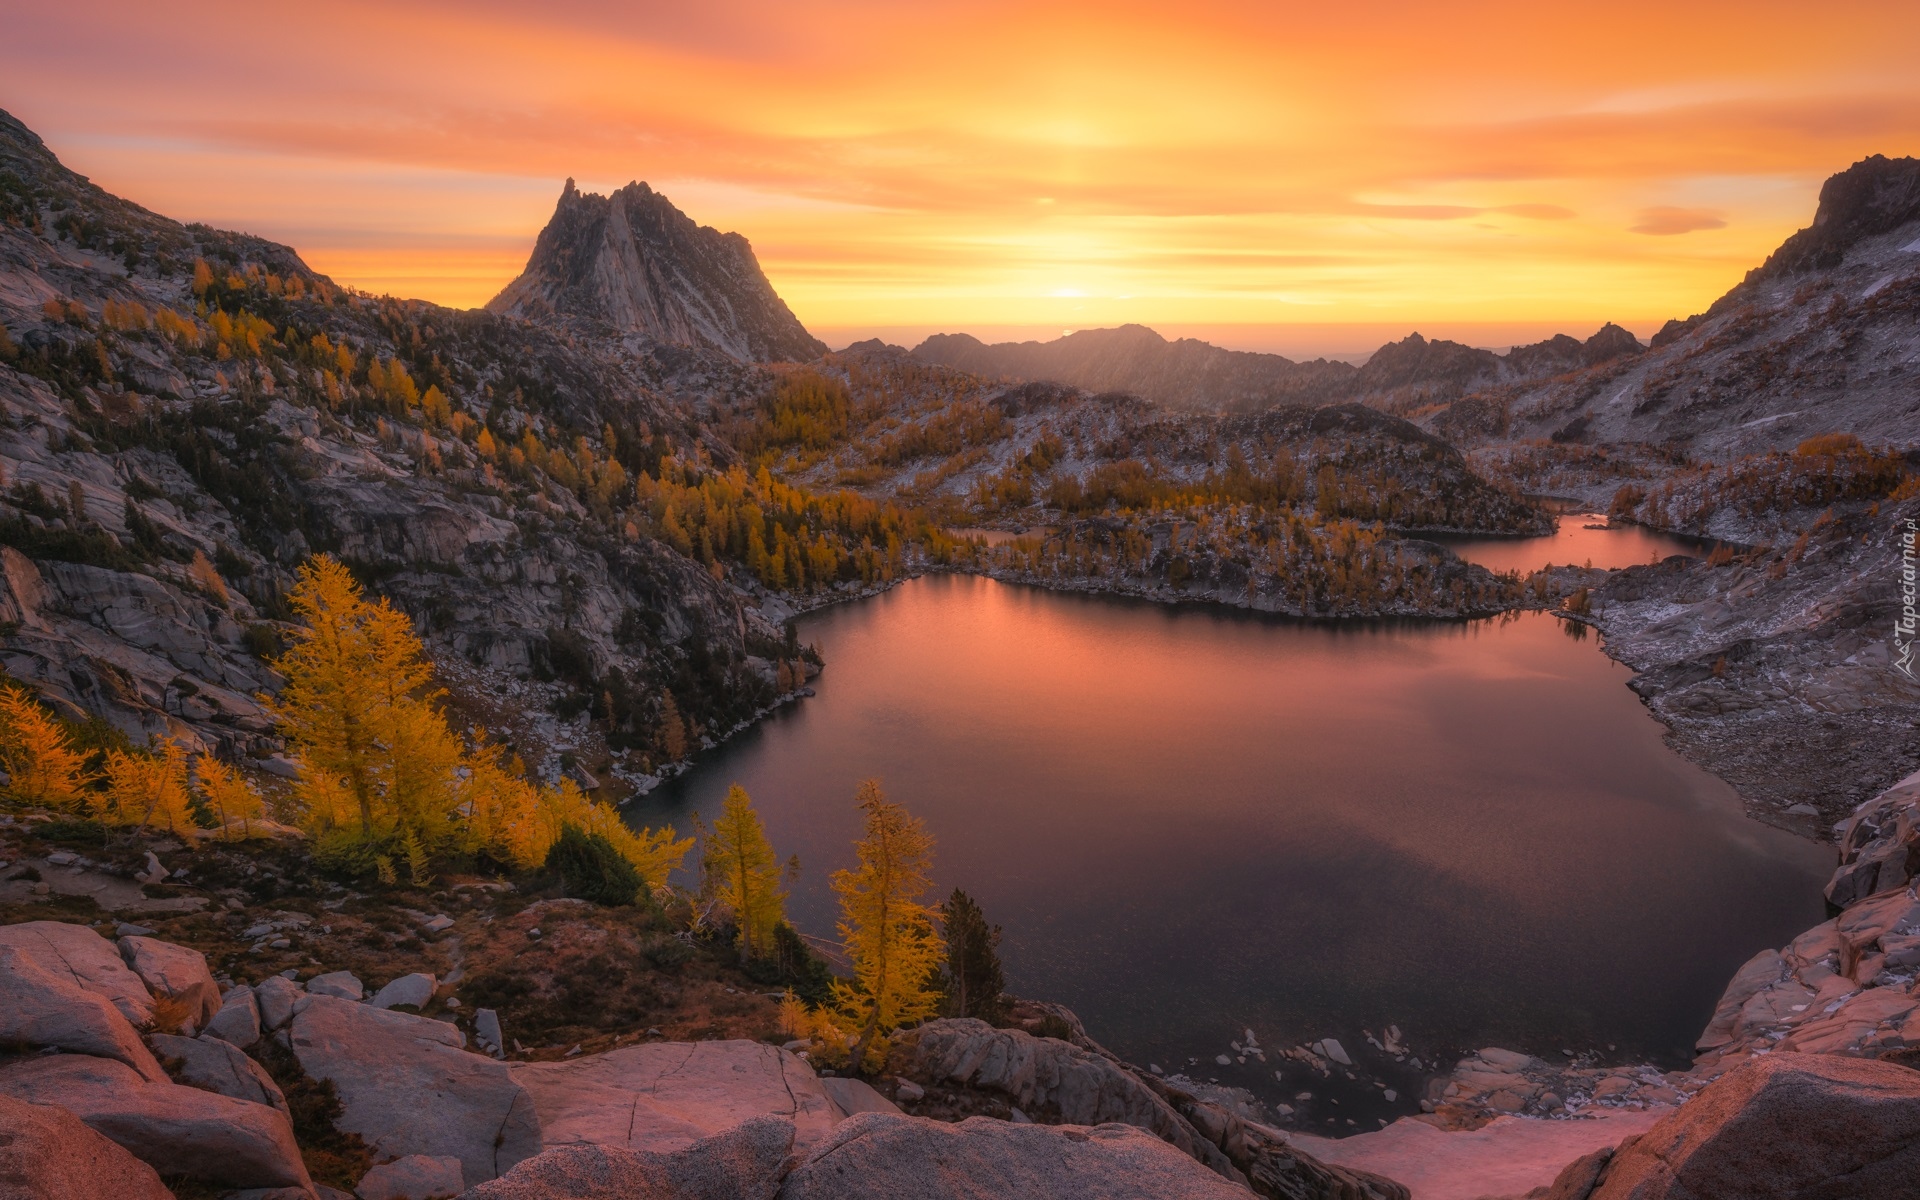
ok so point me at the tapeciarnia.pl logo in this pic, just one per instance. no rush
(1904, 624)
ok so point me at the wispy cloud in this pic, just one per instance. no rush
(1664, 220)
(971, 161)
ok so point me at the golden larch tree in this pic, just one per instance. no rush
(745, 875)
(150, 790)
(888, 932)
(357, 711)
(37, 754)
(230, 798)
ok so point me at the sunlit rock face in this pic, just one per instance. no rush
(636, 262)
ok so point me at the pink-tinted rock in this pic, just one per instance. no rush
(883, 1156)
(85, 958)
(176, 1130)
(415, 1177)
(671, 1094)
(47, 1153)
(218, 1066)
(176, 971)
(238, 1020)
(40, 1009)
(743, 1163)
(1508, 1156)
(1782, 1126)
(407, 1087)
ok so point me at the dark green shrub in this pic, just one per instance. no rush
(591, 869)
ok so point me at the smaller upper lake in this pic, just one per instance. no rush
(1580, 540)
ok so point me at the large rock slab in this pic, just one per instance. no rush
(89, 960)
(1508, 1156)
(219, 1066)
(47, 1153)
(1045, 1078)
(880, 1156)
(41, 1009)
(1781, 1127)
(743, 1163)
(176, 971)
(176, 1130)
(407, 1087)
(667, 1095)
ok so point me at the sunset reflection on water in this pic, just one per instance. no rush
(1192, 820)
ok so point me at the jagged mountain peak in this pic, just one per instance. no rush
(634, 261)
(1873, 196)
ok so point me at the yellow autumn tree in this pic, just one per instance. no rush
(745, 875)
(357, 711)
(654, 853)
(888, 932)
(39, 758)
(230, 798)
(150, 790)
(502, 811)
(673, 730)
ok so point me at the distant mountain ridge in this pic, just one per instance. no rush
(635, 262)
(1190, 374)
(1823, 337)
(1183, 374)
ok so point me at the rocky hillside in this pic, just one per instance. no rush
(1773, 667)
(639, 265)
(1191, 375)
(189, 414)
(1819, 339)
(1039, 451)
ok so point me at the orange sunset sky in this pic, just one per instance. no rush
(1270, 175)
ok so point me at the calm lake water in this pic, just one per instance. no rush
(1574, 543)
(1192, 822)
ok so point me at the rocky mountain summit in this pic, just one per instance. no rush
(639, 265)
(189, 414)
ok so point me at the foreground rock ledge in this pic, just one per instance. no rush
(1783, 1126)
(878, 1156)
